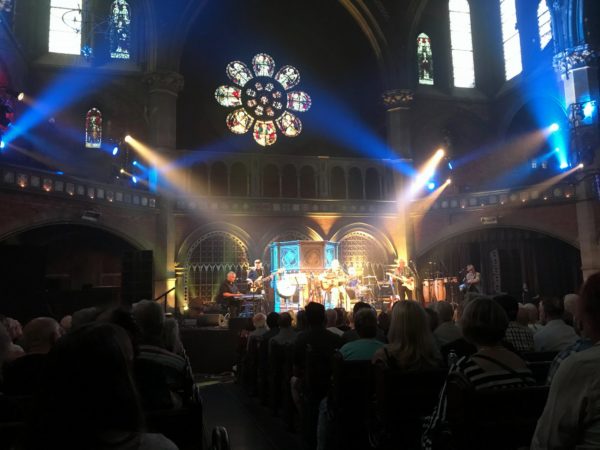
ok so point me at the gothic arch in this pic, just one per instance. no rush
(380, 238)
(198, 233)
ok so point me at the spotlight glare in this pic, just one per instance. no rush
(2, 144)
(21, 96)
(554, 127)
(134, 179)
(128, 139)
(450, 166)
(431, 185)
(59, 172)
(580, 166)
(122, 171)
(440, 153)
(115, 151)
(564, 165)
(135, 163)
(448, 181)
(557, 150)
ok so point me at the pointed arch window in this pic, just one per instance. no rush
(511, 39)
(544, 24)
(93, 128)
(120, 30)
(424, 59)
(461, 42)
(64, 31)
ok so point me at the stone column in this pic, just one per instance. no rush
(163, 88)
(579, 74)
(397, 103)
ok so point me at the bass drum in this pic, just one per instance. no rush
(285, 289)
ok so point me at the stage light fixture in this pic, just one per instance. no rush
(122, 171)
(440, 153)
(564, 165)
(580, 166)
(450, 166)
(554, 127)
(21, 96)
(115, 151)
(431, 185)
(557, 150)
(448, 181)
(135, 163)
(134, 179)
(59, 172)
(128, 139)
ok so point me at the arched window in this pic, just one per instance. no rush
(338, 183)
(93, 128)
(372, 186)
(544, 24)
(218, 179)
(361, 250)
(64, 32)
(355, 184)
(424, 59)
(271, 181)
(239, 180)
(511, 39)
(120, 30)
(307, 182)
(199, 179)
(461, 42)
(209, 259)
(289, 181)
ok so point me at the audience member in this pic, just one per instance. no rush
(342, 319)
(88, 398)
(22, 376)
(484, 324)
(15, 332)
(569, 302)
(84, 316)
(518, 336)
(300, 321)
(351, 335)
(172, 338)
(331, 316)
(533, 316)
(65, 323)
(286, 335)
(432, 318)
(273, 330)
(556, 335)
(123, 317)
(571, 416)
(260, 326)
(411, 345)
(383, 320)
(447, 331)
(164, 378)
(364, 348)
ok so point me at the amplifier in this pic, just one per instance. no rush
(209, 320)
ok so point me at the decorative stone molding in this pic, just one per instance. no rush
(574, 58)
(171, 82)
(398, 98)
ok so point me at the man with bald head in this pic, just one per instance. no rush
(21, 376)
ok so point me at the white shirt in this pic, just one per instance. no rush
(571, 418)
(554, 337)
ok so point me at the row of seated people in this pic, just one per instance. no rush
(472, 385)
(101, 379)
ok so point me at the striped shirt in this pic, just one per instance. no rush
(472, 374)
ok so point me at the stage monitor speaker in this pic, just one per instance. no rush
(137, 280)
(209, 320)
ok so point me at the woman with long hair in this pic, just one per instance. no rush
(411, 345)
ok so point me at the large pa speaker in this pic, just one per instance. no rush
(137, 276)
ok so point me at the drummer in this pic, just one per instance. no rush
(353, 283)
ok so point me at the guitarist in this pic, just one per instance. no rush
(256, 273)
(403, 273)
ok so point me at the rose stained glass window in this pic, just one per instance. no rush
(264, 99)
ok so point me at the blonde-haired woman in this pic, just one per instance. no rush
(411, 345)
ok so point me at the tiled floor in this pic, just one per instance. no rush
(250, 426)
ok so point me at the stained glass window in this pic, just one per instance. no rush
(64, 34)
(424, 59)
(461, 40)
(120, 30)
(544, 24)
(511, 40)
(262, 99)
(362, 251)
(93, 128)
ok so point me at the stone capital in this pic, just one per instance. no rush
(171, 82)
(574, 58)
(397, 99)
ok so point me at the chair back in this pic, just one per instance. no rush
(539, 356)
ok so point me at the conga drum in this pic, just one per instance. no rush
(440, 289)
(427, 291)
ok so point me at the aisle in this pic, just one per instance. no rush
(250, 426)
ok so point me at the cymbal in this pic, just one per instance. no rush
(370, 276)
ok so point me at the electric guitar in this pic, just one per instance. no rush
(407, 282)
(257, 284)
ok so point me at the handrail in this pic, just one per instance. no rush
(164, 295)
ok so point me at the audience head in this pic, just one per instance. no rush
(551, 308)
(383, 320)
(285, 320)
(533, 314)
(40, 335)
(301, 320)
(588, 308)
(84, 316)
(484, 322)
(410, 338)
(331, 316)
(66, 323)
(171, 336)
(315, 315)
(509, 304)
(365, 323)
(88, 389)
(523, 315)
(570, 303)
(123, 317)
(444, 311)
(150, 319)
(358, 306)
(13, 327)
(432, 318)
(273, 320)
(259, 320)
(342, 317)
